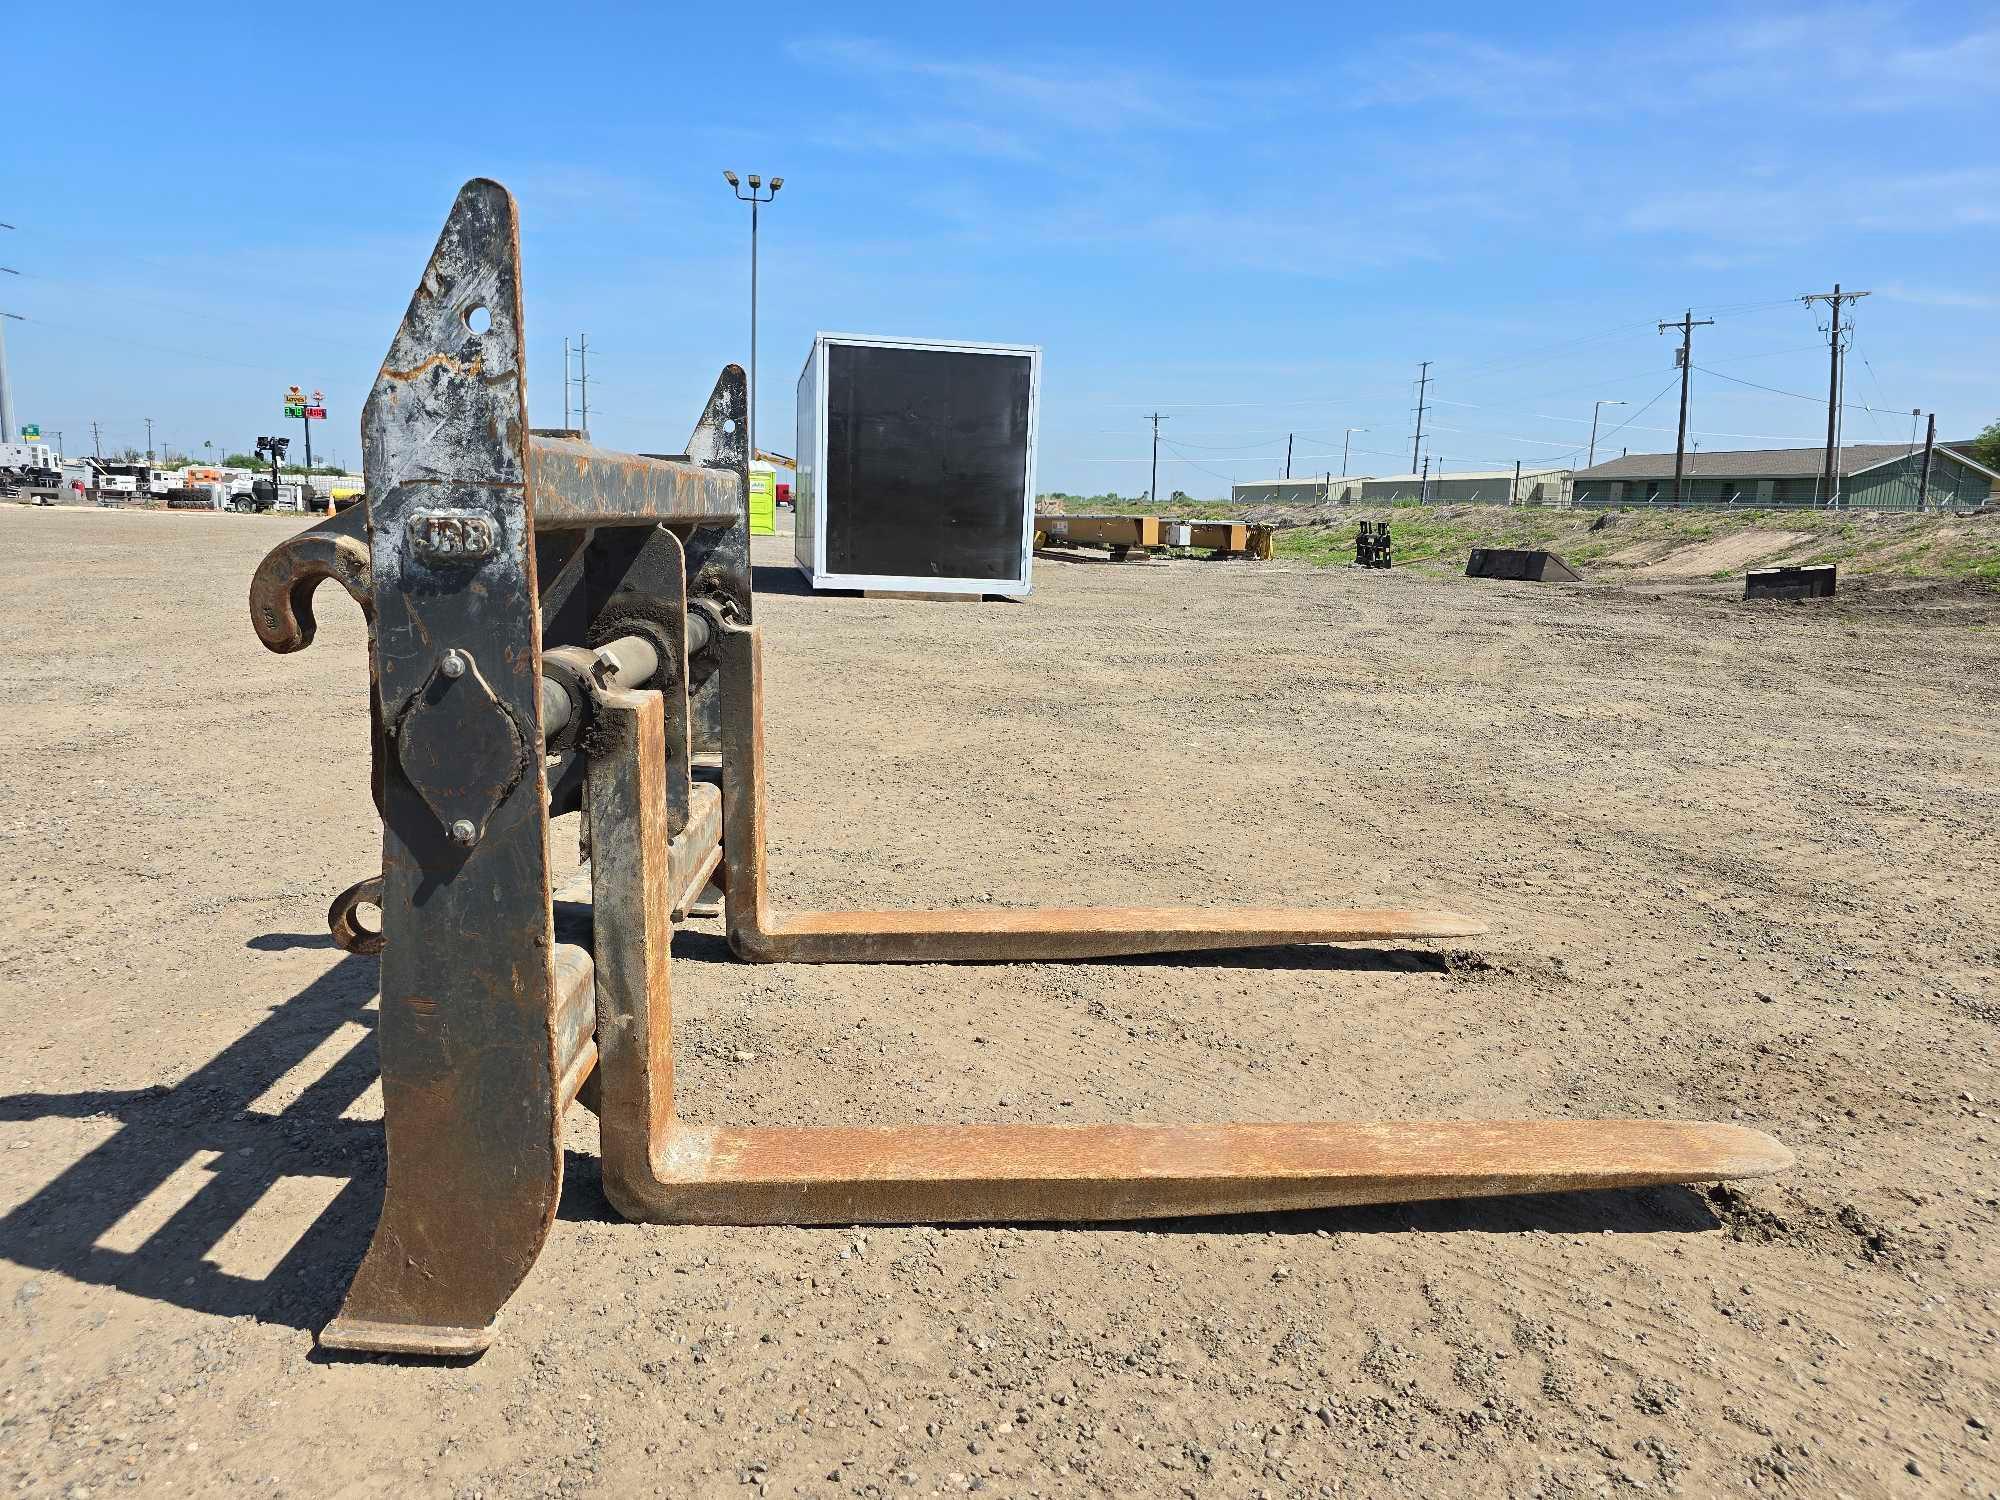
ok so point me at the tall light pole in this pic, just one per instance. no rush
(1345, 438)
(755, 201)
(6, 393)
(1595, 407)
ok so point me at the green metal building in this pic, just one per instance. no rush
(1873, 476)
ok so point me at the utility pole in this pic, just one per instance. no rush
(1288, 455)
(96, 442)
(1424, 483)
(1595, 408)
(583, 381)
(1515, 498)
(149, 440)
(1924, 484)
(1153, 491)
(1346, 438)
(1685, 358)
(1833, 299)
(565, 384)
(1423, 380)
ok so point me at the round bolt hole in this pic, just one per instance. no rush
(477, 318)
(729, 424)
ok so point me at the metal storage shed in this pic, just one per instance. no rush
(1873, 476)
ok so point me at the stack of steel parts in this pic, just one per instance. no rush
(1371, 545)
(557, 629)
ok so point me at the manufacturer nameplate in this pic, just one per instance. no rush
(444, 537)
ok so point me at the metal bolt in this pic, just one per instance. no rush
(462, 832)
(453, 664)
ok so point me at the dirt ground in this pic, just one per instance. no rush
(1740, 864)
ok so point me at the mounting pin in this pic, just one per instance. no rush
(462, 832)
(453, 664)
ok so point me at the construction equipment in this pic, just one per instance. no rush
(1791, 583)
(1520, 565)
(1371, 545)
(555, 628)
(1124, 535)
(1222, 539)
(1121, 535)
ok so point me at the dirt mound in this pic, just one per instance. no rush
(1727, 553)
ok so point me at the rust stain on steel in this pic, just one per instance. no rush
(474, 369)
(631, 880)
(348, 933)
(1048, 1173)
(765, 934)
(281, 589)
(577, 484)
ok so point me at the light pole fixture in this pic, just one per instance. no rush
(1591, 462)
(758, 195)
(1345, 438)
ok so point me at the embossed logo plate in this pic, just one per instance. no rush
(453, 536)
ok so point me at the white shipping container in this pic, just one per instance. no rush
(916, 465)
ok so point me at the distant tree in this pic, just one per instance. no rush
(1986, 447)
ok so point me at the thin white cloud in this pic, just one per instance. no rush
(1938, 296)
(1840, 60)
(1099, 97)
(927, 137)
(1911, 203)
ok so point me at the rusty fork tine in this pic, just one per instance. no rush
(761, 933)
(1108, 1173)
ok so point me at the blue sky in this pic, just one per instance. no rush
(1257, 220)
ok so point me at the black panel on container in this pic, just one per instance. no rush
(926, 462)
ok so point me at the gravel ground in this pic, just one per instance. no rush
(1739, 861)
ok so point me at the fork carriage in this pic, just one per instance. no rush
(556, 629)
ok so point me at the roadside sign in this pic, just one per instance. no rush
(30, 433)
(298, 408)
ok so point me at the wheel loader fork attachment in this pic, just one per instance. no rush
(609, 685)
(469, 1001)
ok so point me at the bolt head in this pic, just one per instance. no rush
(462, 832)
(453, 664)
